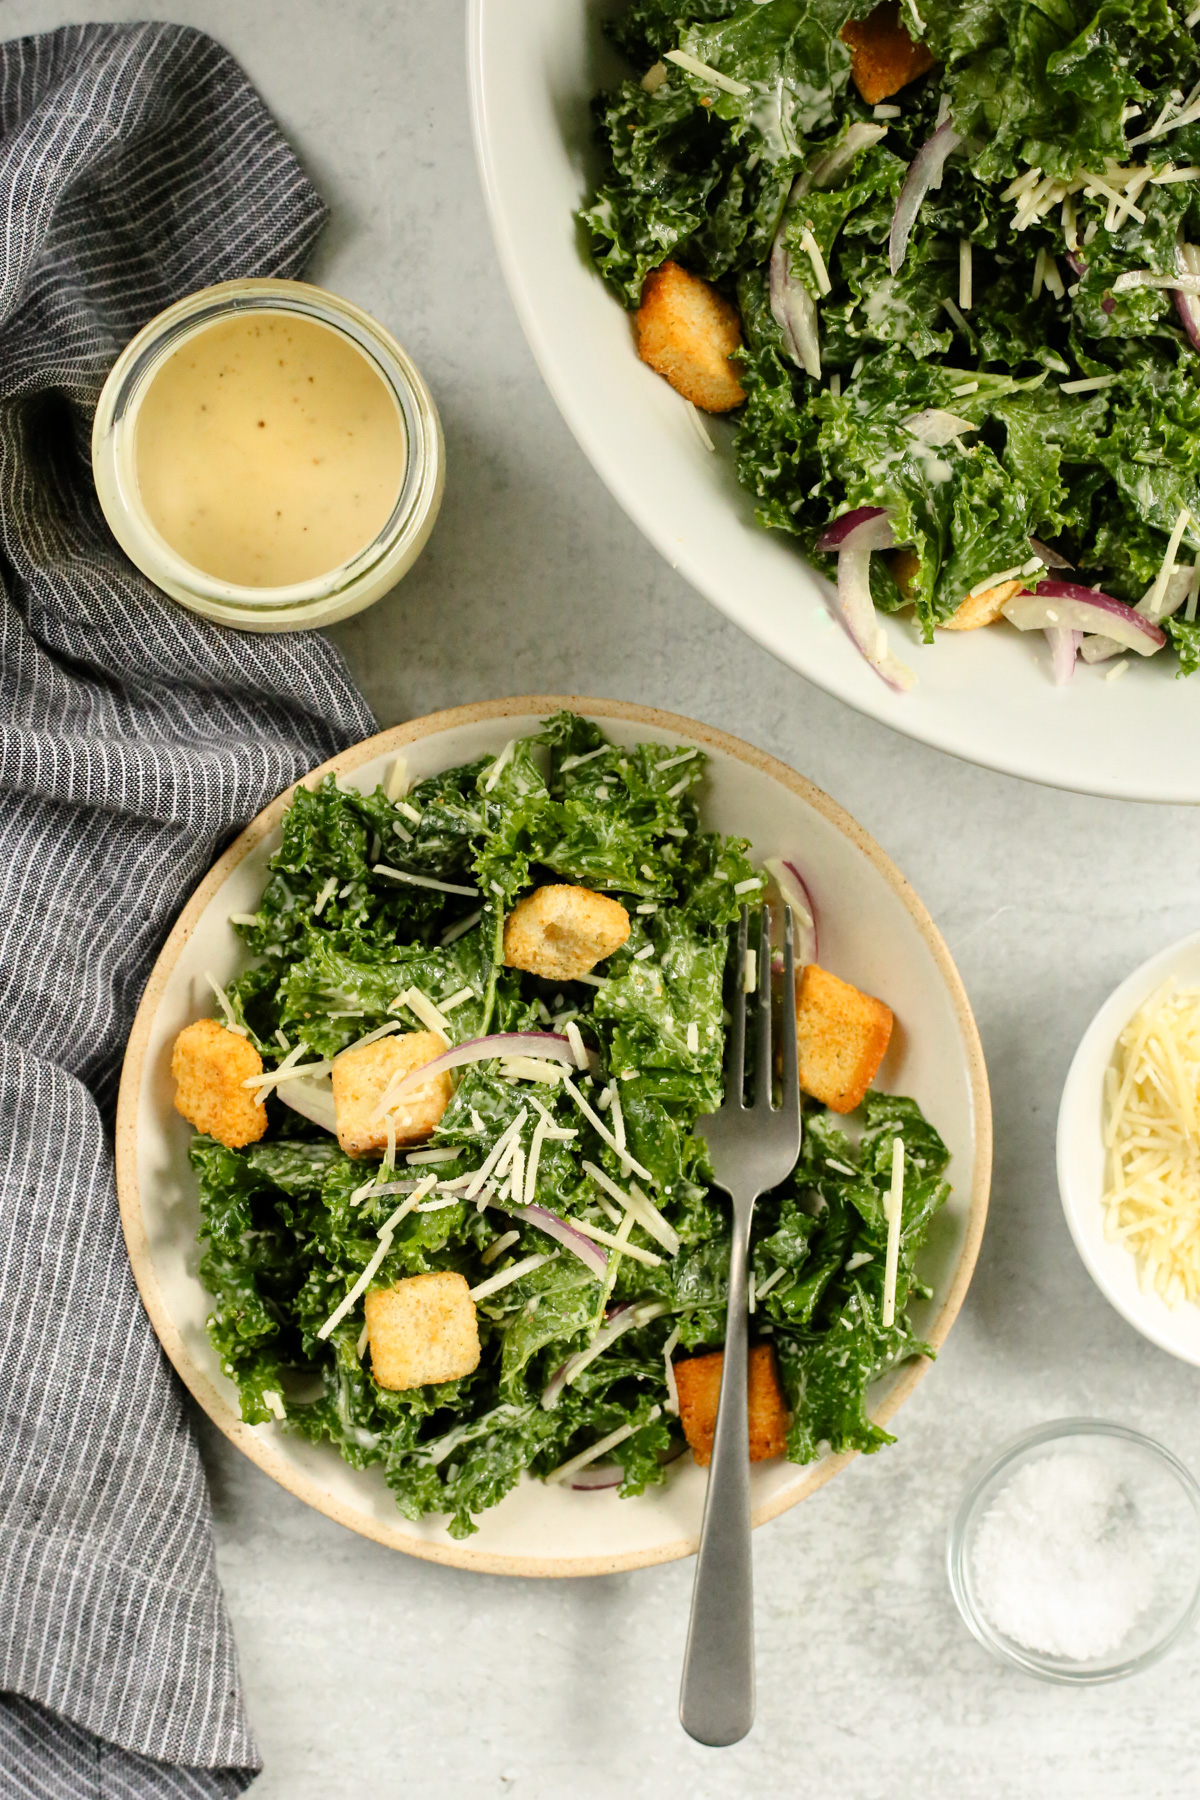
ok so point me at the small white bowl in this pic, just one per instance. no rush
(1082, 1161)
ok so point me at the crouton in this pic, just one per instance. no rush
(883, 58)
(687, 332)
(904, 565)
(210, 1064)
(562, 932)
(361, 1079)
(422, 1330)
(981, 609)
(842, 1036)
(698, 1379)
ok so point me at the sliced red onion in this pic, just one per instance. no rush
(597, 1475)
(593, 1256)
(794, 310)
(1099, 649)
(1064, 647)
(1075, 263)
(1187, 261)
(1053, 559)
(550, 1045)
(792, 306)
(838, 530)
(854, 536)
(795, 892)
(1077, 608)
(925, 172)
(311, 1099)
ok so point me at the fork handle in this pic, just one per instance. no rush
(716, 1700)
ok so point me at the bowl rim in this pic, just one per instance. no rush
(460, 1554)
(1010, 1452)
(1103, 1029)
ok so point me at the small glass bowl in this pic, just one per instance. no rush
(339, 592)
(1164, 1501)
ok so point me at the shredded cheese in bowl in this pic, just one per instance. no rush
(1152, 1135)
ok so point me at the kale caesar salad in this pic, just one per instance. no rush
(942, 263)
(456, 1216)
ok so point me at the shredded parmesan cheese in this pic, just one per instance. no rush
(425, 881)
(623, 1431)
(495, 1282)
(498, 1246)
(226, 1005)
(672, 1405)
(705, 72)
(1152, 1133)
(895, 1212)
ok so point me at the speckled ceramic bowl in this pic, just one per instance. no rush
(874, 931)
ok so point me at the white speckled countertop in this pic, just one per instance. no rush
(372, 1674)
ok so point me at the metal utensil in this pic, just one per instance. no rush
(752, 1149)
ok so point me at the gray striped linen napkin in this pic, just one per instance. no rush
(136, 164)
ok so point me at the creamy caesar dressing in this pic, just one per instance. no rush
(268, 450)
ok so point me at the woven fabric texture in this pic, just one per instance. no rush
(136, 165)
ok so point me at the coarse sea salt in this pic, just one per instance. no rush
(1058, 1561)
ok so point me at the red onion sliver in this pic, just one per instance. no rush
(838, 530)
(1064, 647)
(1187, 261)
(1077, 608)
(597, 1475)
(593, 1256)
(794, 889)
(855, 535)
(925, 172)
(794, 311)
(550, 1045)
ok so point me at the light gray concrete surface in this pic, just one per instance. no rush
(370, 1673)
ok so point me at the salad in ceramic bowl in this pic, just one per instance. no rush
(941, 265)
(457, 1219)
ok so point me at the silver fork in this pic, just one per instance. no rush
(752, 1149)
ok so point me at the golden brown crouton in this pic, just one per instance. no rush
(981, 609)
(883, 58)
(362, 1077)
(562, 932)
(687, 332)
(698, 1379)
(842, 1037)
(210, 1063)
(904, 565)
(423, 1329)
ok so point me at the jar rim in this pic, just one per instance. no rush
(336, 592)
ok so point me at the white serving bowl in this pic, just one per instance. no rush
(983, 695)
(874, 932)
(1082, 1160)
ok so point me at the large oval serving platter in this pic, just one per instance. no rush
(874, 931)
(983, 695)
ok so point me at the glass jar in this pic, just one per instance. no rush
(347, 589)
